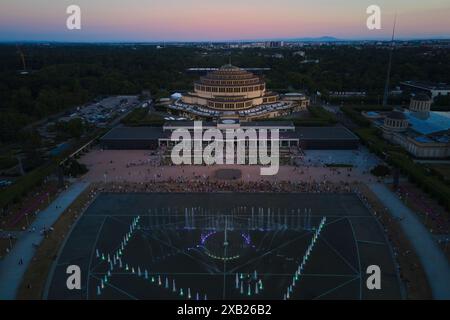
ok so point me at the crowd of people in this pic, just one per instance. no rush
(204, 184)
(153, 161)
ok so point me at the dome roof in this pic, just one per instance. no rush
(228, 72)
(230, 67)
(421, 97)
(396, 115)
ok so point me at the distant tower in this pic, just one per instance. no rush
(391, 51)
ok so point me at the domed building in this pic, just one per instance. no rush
(423, 133)
(420, 103)
(233, 92)
(395, 121)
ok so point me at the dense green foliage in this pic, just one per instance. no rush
(63, 76)
(141, 117)
(70, 129)
(441, 170)
(397, 157)
(6, 161)
(381, 171)
(322, 114)
(24, 184)
(36, 177)
(73, 168)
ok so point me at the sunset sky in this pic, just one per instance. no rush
(214, 20)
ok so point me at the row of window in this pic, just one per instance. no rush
(229, 106)
(271, 99)
(396, 123)
(229, 90)
(420, 106)
(229, 83)
(237, 105)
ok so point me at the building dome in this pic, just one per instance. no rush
(230, 88)
(420, 103)
(396, 121)
(396, 115)
(230, 77)
(421, 97)
(235, 93)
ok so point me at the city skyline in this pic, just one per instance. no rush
(200, 20)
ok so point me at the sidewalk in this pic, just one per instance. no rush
(11, 272)
(435, 263)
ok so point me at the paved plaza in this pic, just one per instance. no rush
(141, 166)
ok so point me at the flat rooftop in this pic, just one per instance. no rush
(207, 124)
(324, 133)
(301, 133)
(434, 123)
(134, 133)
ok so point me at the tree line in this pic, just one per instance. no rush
(61, 77)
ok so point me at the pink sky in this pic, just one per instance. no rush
(157, 20)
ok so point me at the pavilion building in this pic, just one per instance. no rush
(232, 92)
(420, 131)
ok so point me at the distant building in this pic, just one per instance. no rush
(299, 54)
(421, 132)
(274, 44)
(278, 56)
(348, 94)
(300, 99)
(144, 138)
(431, 89)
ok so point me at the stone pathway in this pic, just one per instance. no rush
(11, 273)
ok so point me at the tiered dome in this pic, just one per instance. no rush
(230, 81)
(230, 88)
(229, 75)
